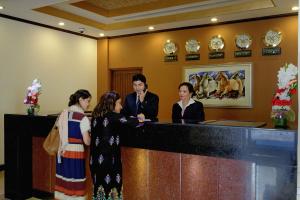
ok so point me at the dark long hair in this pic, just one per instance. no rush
(189, 86)
(106, 104)
(74, 98)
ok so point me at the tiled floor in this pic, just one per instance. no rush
(2, 187)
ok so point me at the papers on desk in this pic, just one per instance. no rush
(207, 121)
(145, 120)
(234, 123)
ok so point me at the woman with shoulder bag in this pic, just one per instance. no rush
(74, 129)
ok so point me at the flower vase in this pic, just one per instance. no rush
(280, 118)
(32, 110)
(280, 122)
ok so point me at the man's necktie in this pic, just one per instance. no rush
(138, 107)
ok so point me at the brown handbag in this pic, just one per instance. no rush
(51, 142)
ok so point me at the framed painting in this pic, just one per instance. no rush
(223, 85)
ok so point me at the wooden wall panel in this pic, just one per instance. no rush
(44, 168)
(164, 175)
(164, 77)
(121, 81)
(199, 175)
(89, 181)
(236, 180)
(161, 175)
(53, 172)
(135, 173)
(41, 166)
(103, 74)
(174, 176)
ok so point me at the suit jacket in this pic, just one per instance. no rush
(149, 107)
(194, 112)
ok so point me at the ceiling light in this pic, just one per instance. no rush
(151, 28)
(295, 8)
(1, 7)
(101, 34)
(214, 19)
(168, 41)
(61, 23)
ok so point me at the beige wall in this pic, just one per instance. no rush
(146, 51)
(63, 63)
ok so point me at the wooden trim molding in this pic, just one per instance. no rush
(45, 26)
(70, 16)
(204, 25)
(126, 68)
(230, 9)
(144, 33)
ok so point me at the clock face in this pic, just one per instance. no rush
(243, 41)
(192, 46)
(170, 48)
(216, 43)
(272, 38)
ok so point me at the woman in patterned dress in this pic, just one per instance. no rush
(105, 160)
(74, 129)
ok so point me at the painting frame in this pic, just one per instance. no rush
(228, 85)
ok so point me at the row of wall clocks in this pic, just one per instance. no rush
(216, 44)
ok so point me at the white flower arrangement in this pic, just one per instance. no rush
(33, 93)
(287, 86)
(286, 74)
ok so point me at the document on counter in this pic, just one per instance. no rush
(236, 123)
(207, 121)
(145, 120)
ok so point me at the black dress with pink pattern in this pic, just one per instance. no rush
(105, 156)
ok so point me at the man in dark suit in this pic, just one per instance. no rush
(141, 103)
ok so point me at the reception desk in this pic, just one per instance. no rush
(167, 161)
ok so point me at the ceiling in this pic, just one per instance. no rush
(122, 17)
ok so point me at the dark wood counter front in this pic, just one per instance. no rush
(167, 161)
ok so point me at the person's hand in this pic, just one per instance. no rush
(141, 117)
(141, 95)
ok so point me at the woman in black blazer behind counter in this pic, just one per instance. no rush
(187, 109)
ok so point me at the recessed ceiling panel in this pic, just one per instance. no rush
(112, 8)
(117, 17)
